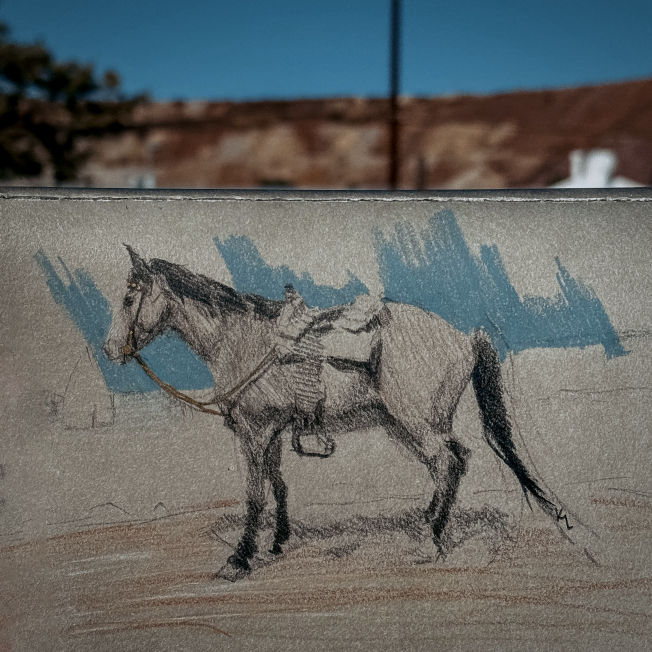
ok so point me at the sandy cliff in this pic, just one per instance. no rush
(519, 139)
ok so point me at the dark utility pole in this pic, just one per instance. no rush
(394, 89)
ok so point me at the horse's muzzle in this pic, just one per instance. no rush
(117, 353)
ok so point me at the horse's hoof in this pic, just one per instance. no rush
(234, 569)
(276, 549)
(231, 574)
(442, 549)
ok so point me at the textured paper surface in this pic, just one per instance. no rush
(120, 506)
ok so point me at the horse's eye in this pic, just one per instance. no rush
(128, 301)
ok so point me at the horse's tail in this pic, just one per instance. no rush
(488, 385)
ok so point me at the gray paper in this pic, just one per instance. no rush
(435, 430)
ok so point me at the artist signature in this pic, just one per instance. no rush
(559, 513)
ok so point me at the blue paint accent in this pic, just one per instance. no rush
(91, 313)
(252, 274)
(435, 269)
(432, 268)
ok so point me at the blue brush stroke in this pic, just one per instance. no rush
(251, 274)
(91, 313)
(432, 268)
(435, 269)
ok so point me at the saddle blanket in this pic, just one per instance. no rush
(312, 336)
(346, 333)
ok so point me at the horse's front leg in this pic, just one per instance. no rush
(254, 442)
(273, 473)
(247, 547)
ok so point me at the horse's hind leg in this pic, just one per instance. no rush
(273, 473)
(446, 460)
(446, 469)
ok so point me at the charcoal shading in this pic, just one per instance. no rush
(280, 364)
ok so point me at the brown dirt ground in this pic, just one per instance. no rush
(151, 586)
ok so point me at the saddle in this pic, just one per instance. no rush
(308, 338)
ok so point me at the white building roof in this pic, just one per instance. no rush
(594, 169)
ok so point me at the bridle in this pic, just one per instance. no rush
(224, 401)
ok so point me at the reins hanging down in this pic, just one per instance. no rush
(266, 361)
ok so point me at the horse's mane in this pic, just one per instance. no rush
(216, 297)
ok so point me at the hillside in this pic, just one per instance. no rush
(519, 139)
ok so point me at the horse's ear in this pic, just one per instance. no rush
(140, 266)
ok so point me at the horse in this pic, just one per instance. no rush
(411, 387)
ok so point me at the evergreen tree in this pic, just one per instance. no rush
(52, 111)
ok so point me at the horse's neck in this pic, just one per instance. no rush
(231, 345)
(244, 340)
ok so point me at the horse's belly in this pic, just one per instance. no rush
(346, 390)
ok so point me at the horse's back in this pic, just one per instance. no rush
(425, 364)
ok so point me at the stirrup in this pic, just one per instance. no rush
(327, 444)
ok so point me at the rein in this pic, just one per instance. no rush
(263, 365)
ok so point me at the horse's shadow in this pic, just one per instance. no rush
(378, 538)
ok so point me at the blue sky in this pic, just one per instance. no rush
(290, 48)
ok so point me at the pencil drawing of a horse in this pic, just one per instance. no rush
(411, 385)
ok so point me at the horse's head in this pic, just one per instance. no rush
(142, 315)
